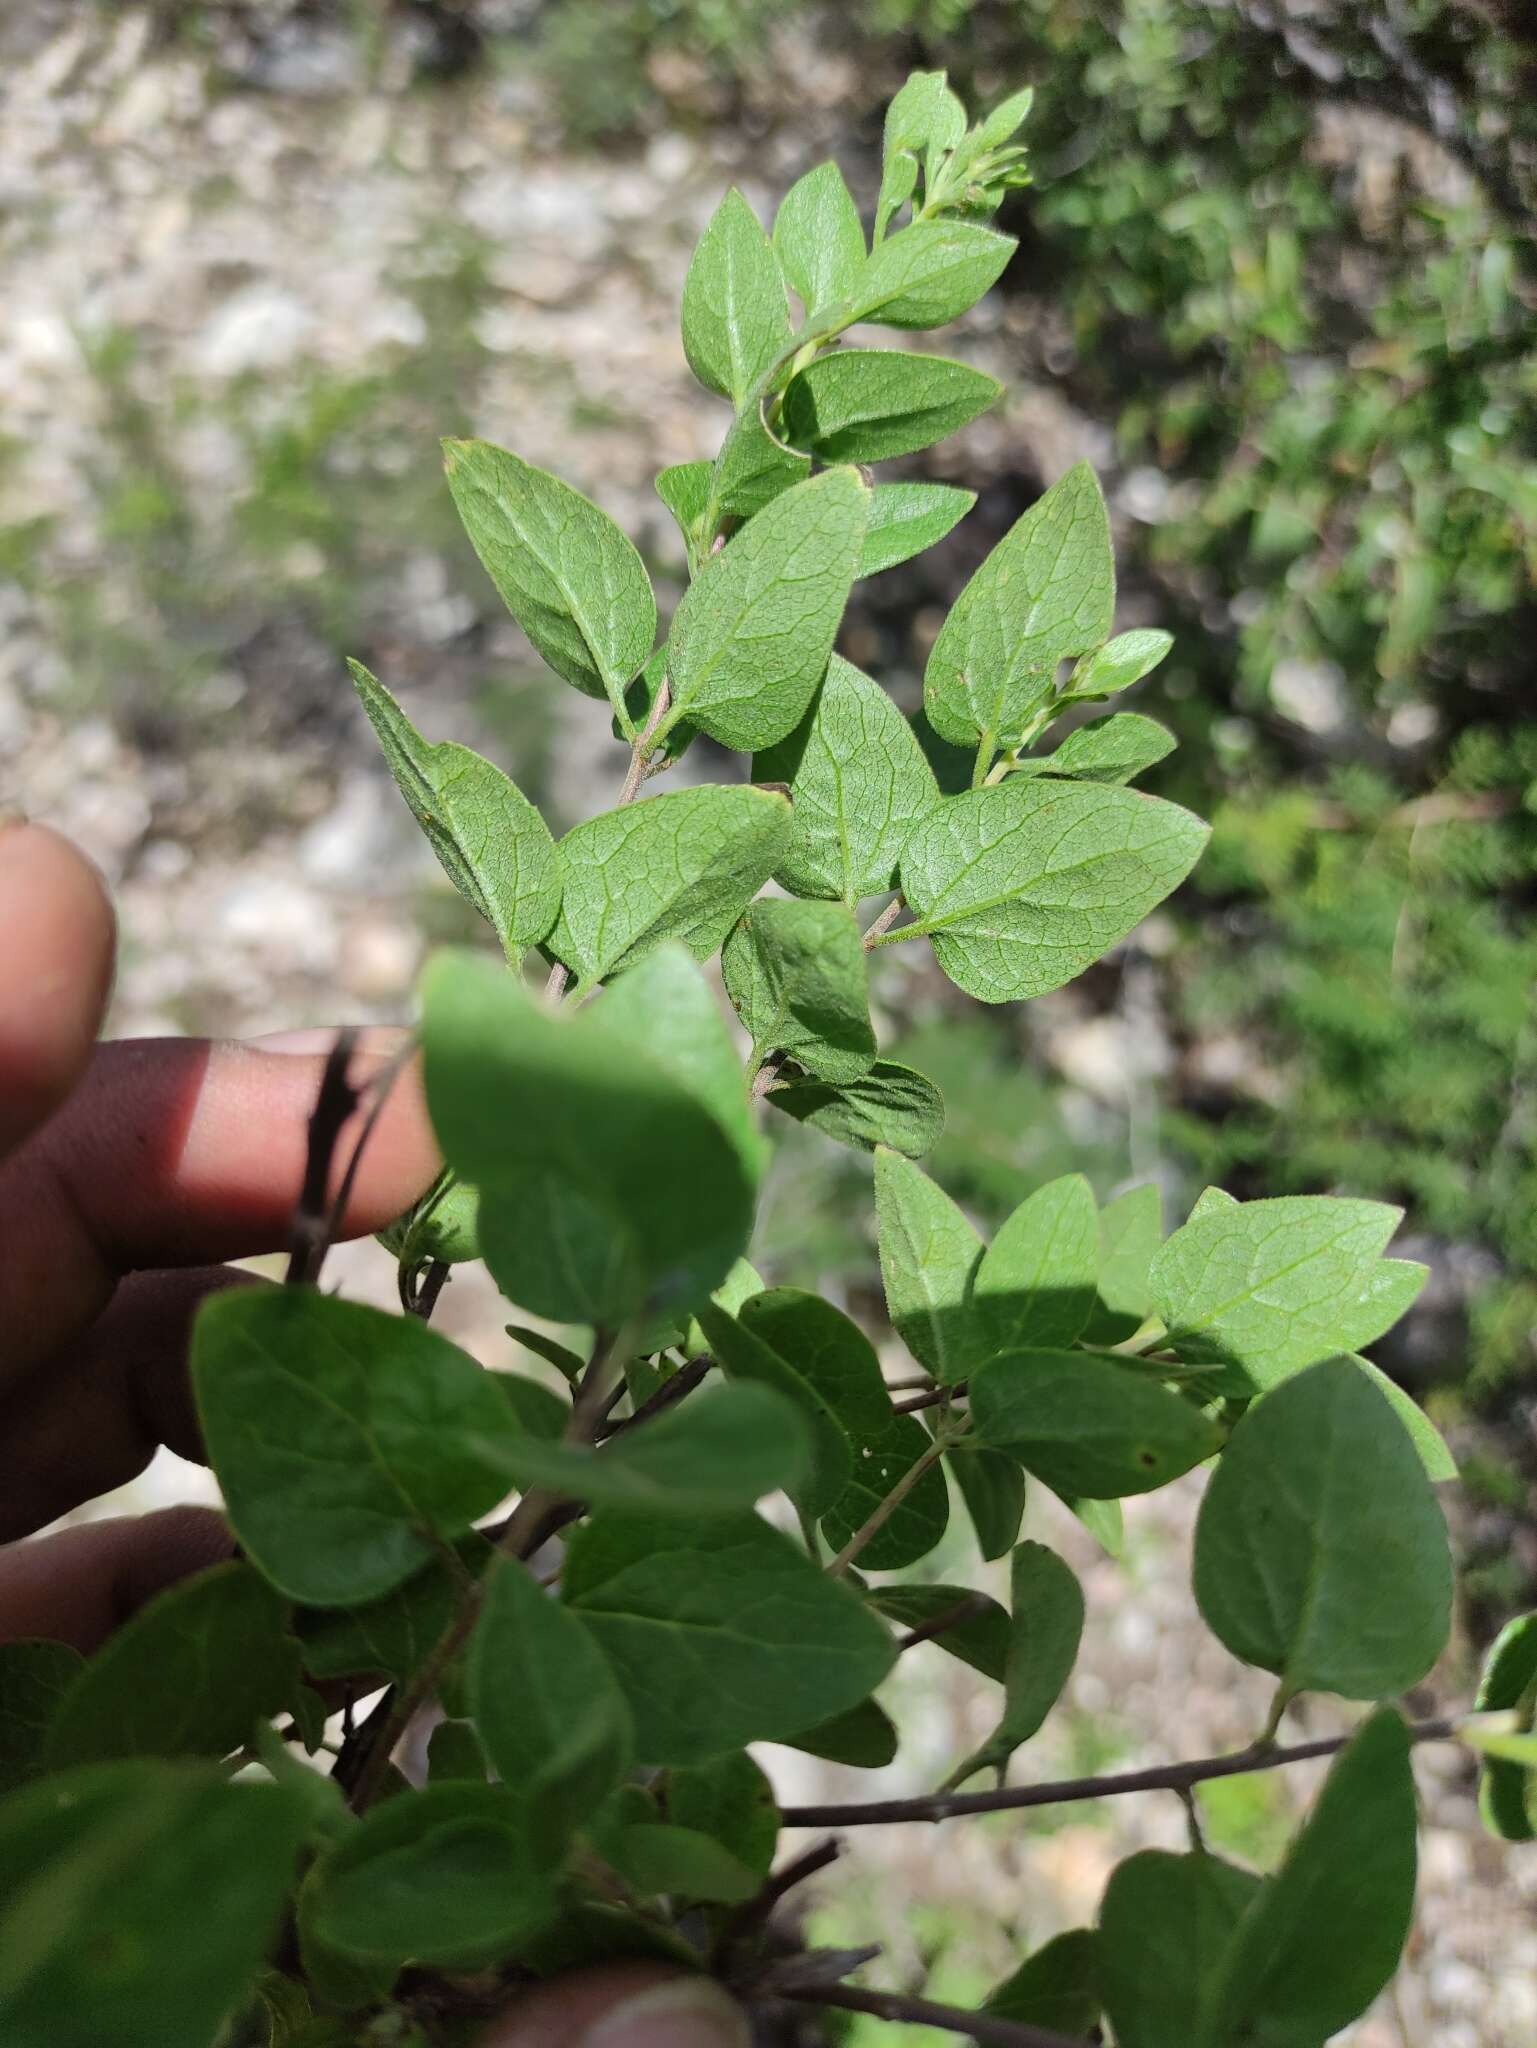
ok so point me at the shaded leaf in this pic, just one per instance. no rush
(929, 1254)
(1165, 1926)
(1045, 1628)
(1086, 1425)
(993, 1488)
(980, 1637)
(391, 1636)
(684, 488)
(1130, 1232)
(731, 1801)
(747, 1357)
(795, 973)
(1035, 1284)
(891, 1105)
(1114, 749)
(34, 1677)
(1057, 1988)
(753, 468)
(1435, 1453)
(658, 1857)
(862, 1737)
(1509, 1680)
(906, 518)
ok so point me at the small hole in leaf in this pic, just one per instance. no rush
(1147, 1458)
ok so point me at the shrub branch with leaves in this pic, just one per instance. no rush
(188, 1856)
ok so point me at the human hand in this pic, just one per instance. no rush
(127, 1173)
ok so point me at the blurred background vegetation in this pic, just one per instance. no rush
(1277, 276)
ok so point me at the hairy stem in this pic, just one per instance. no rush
(923, 2012)
(1161, 1778)
(883, 1510)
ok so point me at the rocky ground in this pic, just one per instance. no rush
(265, 244)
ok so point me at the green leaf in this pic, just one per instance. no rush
(869, 404)
(455, 1755)
(753, 468)
(1103, 1520)
(726, 1449)
(1508, 1681)
(1057, 1988)
(732, 1802)
(1266, 1288)
(492, 844)
(1001, 125)
(1165, 1925)
(659, 1858)
(795, 973)
(736, 319)
(442, 1225)
(391, 1636)
(747, 1357)
(1046, 1626)
(929, 1254)
(818, 239)
(906, 518)
(1114, 749)
(1035, 1285)
(668, 1010)
(1119, 663)
(651, 1217)
(924, 118)
(930, 272)
(899, 181)
(34, 1678)
(567, 1363)
(1024, 885)
(681, 866)
(189, 1675)
(554, 1724)
(570, 578)
(751, 639)
(449, 1877)
(838, 1360)
(684, 488)
(1319, 1502)
(1130, 1232)
(103, 1872)
(862, 1737)
(1046, 591)
(1086, 1425)
(858, 783)
(1322, 1938)
(539, 1410)
(719, 1633)
(891, 1105)
(346, 1441)
(980, 1639)
(993, 1488)
(1435, 1453)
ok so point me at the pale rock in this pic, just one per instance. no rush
(260, 328)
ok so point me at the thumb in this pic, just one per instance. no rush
(624, 2005)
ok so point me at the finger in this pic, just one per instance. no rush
(79, 1585)
(178, 1151)
(91, 1418)
(56, 930)
(625, 2005)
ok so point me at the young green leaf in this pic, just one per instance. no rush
(684, 489)
(719, 1633)
(980, 1636)
(907, 518)
(736, 319)
(795, 973)
(1318, 1942)
(1046, 591)
(1130, 1232)
(1006, 119)
(924, 118)
(104, 1872)
(751, 638)
(570, 578)
(449, 1876)
(838, 1360)
(1165, 1926)
(190, 1675)
(680, 866)
(492, 844)
(890, 1105)
(993, 1488)
(930, 272)
(1114, 749)
(346, 1441)
(1266, 1288)
(753, 468)
(858, 784)
(1320, 1501)
(1119, 663)
(1509, 1682)
(1046, 1626)
(1024, 885)
(899, 181)
(34, 1678)
(929, 1254)
(747, 1357)
(732, 1802)
(1035, 1285)
(650, 1217)
(818, 239)
(553, 1722)
(1086, 1425)
(869, 404)
(725, 1450)
(442, 1225)
(1057, 1988)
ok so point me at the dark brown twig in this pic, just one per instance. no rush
(753, 1912)
(335, 1101)
(965, 1609)
(932, 1397)
(671, 1391)
(923, 2012)
(1161, 1778)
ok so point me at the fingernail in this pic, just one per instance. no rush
(685, 2012)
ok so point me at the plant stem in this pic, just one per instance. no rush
(883, 1510)
(667, 1395)
(983, 762)
(931, 1397)
(754, 1911)
(885, 921)
(923, 2012)
(1162, 1778)
(965, 1609)
(766, 1076)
